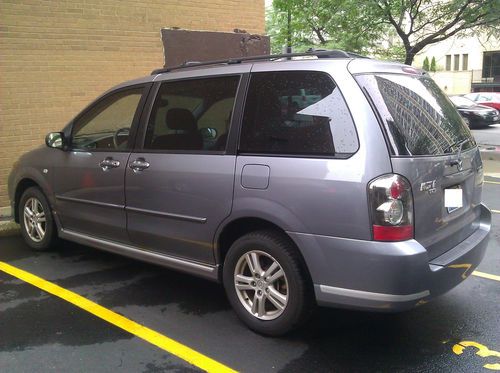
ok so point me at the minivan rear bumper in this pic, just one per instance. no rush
(387, 276)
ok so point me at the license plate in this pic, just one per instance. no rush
(453, 199)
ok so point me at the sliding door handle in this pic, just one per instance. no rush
(140, 164)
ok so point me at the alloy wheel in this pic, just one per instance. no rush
(34, 219)
(261, 285)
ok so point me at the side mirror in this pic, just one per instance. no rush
(55, 140)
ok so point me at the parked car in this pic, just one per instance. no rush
(475, 115)
(491, 99)
(367, 197)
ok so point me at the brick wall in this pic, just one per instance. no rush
(57, 56)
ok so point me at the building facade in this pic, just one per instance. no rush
(464, 65)
(57, 56)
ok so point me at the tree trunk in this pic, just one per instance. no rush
(289, 32)
(411, 52)
(410, 55)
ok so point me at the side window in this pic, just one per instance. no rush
(297, 113)
(107, 124)
(192, 115)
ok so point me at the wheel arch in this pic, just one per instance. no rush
(240, 226)
(22, 185)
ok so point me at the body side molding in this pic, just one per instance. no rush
(198, 269)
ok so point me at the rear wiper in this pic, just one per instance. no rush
(459, 144)
(458, 161)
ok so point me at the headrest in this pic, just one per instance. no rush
(181, 119)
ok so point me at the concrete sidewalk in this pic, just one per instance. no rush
(491, 168)
(490, 152)
(8, 227)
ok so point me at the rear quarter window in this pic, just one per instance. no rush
(296, 113)
(416, 115)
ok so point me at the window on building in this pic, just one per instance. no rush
(297, 113)
(465, 62)
(448, 62)
(456, 62)
(491, 64)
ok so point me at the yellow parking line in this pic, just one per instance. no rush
(171, 346)
(486, 275)
(496, 211)
(492, 182)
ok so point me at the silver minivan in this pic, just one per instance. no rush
(363, 191)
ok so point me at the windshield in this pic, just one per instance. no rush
(462, 101)
(484, 96)
(417, 116)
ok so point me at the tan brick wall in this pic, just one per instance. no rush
(57, 56)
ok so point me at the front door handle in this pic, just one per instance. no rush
(109, 163)
(140, 164)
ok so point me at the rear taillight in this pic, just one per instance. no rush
(391, 208)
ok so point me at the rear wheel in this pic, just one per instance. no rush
(37, 225)
(266, 283)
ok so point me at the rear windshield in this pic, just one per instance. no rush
(417, 116)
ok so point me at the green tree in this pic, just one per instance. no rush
(323, 24)
(388, 28)
(433, 64)
(420, 23)
(425, 66)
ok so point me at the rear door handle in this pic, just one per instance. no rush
(109, 163)
(140, 164)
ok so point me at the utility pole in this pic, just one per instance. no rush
(289, 32)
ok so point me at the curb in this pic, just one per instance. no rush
(490, 152)
(9, 228)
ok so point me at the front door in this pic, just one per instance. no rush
(89, 177)
(179, 184)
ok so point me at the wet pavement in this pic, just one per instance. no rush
(42, 333)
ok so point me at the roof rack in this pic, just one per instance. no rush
(320, 53)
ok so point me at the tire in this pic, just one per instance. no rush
(295, 286)
(42, 221)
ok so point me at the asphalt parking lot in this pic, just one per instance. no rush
(42, 331)
(488, 136)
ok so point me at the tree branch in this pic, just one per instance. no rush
(401, 14)
(442, 35)
(392, 21)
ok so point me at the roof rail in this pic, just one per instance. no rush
(320, 53)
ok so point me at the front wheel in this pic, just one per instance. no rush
(37, 225)
(266, 283)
